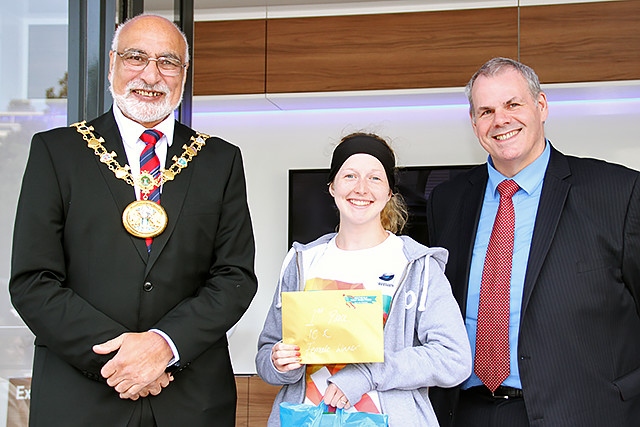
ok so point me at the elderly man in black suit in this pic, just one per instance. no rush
(547, 278)
(133, 253)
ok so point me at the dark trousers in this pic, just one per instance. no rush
(143, 415)
(482, 410)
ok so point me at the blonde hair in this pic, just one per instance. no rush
(395, 214)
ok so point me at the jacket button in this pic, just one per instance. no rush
(148, 286)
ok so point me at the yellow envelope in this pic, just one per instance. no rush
(337, 326)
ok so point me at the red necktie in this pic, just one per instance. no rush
(150, 163)
(492, 334)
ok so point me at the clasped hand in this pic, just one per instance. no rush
(138, 368)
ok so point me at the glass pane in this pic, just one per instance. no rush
(33, 69)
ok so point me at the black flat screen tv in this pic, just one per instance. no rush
(313, 213)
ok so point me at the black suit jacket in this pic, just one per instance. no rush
(78, 278)
(579, 342)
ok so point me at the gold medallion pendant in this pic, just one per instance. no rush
(144, 219)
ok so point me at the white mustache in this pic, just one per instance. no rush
(138, 85)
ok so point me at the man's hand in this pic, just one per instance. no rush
(154, 388)
(138, 365)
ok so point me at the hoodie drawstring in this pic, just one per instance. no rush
(423, 297)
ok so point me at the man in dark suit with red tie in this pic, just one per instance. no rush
(551, 297)
(133, 253)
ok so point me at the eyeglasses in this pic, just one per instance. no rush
(138, 61)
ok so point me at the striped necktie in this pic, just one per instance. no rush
(150, 163)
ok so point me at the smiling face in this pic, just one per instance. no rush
(147, 96)
(508, 120)
(361, 190)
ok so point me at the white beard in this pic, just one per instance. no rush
(140, 111)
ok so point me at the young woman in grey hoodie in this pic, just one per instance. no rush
(425, 342)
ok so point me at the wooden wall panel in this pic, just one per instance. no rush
(255, 399)
(229, 57)
(242, 405)
(385, 51)
(579, 42)
(261, 397)
(582, 42)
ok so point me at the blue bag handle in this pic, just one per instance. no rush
(363, 419)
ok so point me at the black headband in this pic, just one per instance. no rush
(366, 145)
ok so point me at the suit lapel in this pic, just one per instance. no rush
(552, 200)
(173, 192)
(122, 193)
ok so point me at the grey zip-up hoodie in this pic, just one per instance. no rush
(425, 341)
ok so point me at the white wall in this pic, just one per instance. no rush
(274, 141)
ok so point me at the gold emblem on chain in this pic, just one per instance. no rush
(142, 218)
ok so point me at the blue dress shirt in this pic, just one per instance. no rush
(525, 203)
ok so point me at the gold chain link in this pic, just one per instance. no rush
(124, 172)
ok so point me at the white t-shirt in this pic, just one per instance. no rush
(378, 268)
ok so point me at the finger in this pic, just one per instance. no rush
(331, 393)
(334, 397)
(129, 388)
(282, 361)
(290, 364)
(123, 386)
(281, 347)
(282, 354)
(164, 380)
(108, 370)
(343, 402)
(133, 391)
(293, 366)
(330, 399)
(109, 346)
(113, 381)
